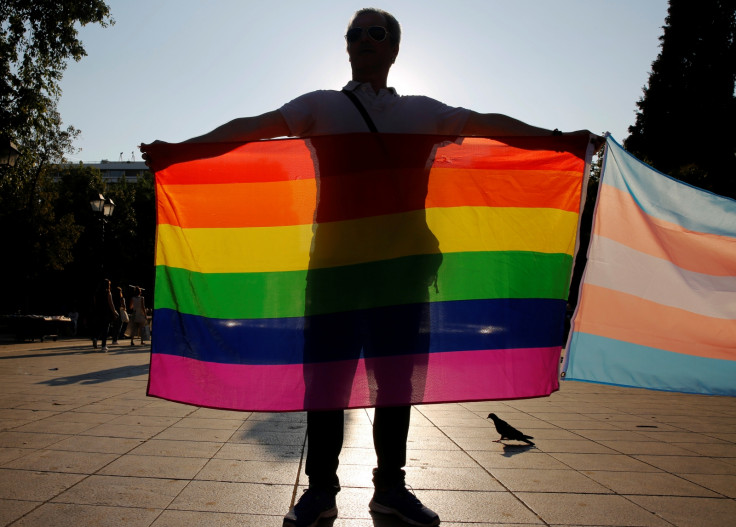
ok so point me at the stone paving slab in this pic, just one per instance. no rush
(81, 444)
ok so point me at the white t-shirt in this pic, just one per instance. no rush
(325, 112)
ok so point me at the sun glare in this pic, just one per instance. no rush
(408, 81)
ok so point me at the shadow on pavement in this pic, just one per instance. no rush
(96, 377)
(512, 450)
(76, 350)
(282, 434)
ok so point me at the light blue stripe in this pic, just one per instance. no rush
(609, 361)
(666, 198)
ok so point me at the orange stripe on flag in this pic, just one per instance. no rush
(272, 204)
(454, 187)
(279, 203)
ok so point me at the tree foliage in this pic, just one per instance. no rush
(685, 122)
(37, 39)
(119, 247)
(56, 257)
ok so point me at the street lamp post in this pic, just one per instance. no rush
(8, 152)
(104, 206)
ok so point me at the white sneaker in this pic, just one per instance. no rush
(105, 349)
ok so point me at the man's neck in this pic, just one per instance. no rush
(377, 82)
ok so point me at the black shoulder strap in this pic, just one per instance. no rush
(362, 110)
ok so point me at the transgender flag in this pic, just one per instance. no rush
(362, 270)
(657, 305)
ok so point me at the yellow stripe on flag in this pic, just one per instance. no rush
(458, 229)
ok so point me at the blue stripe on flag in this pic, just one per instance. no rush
(664, 197)
(644, 367)
(466, 325)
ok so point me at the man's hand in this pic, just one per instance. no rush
(597, 140)
(143, 147)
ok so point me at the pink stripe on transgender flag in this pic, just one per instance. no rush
(623, 221)
(657, 306)
(454, 376)
(614, 314)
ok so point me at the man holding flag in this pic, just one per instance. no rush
(365, 104)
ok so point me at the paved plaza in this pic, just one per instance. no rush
(81, 444)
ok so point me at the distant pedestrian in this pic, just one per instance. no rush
(103, 314)
(124, 321)
(137, 314)
(74, 317)
(118, 325)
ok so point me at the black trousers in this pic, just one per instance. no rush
(394, 342)
(325, 431)
(102, 329)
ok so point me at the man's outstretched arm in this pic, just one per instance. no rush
(265, 126)
(499, 125)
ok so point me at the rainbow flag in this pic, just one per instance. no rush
(362, 270)
(657, 305)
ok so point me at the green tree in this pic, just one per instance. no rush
(130, 234)
(685, 122)
(37, 39)
(119, 247)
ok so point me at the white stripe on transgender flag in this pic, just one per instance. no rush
(657, 306)
(615, 266)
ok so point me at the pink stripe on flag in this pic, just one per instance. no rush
(617, 315)
(492, 374)
(450, 377)
(621, 219)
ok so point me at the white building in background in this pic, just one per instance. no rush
(113, 171)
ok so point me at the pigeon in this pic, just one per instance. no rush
(507, 431)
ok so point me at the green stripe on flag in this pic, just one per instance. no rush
(461, 276)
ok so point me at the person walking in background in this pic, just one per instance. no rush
(137, 314)
(118, 325)
(104, 313)
(125, 320)
(74, 317)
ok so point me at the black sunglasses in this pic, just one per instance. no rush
(376, 33)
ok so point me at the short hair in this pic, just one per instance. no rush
(392, 25)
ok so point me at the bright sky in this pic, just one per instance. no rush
(174, 69)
